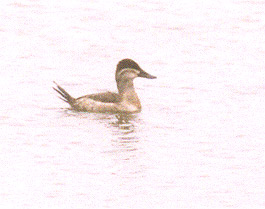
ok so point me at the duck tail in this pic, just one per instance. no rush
(64, 95)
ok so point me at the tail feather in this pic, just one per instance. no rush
(64, 95)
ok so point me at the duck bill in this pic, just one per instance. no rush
(144, 74)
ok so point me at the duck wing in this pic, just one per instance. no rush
(106, 97)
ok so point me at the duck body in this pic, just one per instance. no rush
(125, 101)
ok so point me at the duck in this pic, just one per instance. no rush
(125, 101)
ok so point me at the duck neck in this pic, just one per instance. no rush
(127, 92)
(125, 86)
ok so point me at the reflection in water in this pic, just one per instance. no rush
(117, 134)
(125, 118)
(123, 139)
(127, 160)
(125, 122)
(123, 128)
(126, 132)
(122, 124)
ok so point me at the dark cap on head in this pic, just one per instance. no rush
(129, 63)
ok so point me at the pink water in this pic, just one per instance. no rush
(199, 140)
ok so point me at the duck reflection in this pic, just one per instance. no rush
(123, 127)
(125, 147)
(125, 130)
(125, 122)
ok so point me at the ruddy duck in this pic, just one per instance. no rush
(125, 101)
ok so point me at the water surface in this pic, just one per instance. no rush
(199, 140)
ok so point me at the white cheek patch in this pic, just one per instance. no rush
(129, 70)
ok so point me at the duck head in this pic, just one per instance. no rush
(128, 69)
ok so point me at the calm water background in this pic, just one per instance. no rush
(200, 138)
